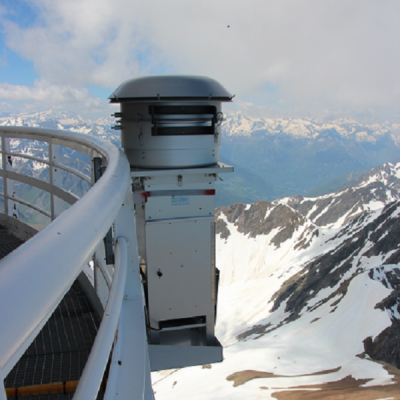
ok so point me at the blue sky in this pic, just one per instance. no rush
(13, 68)
(303, 58)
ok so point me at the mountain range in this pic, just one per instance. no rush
(273, 158)
(308, 303)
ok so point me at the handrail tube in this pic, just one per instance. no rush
(73, 171)
(93, 372)
(129, 369)
(73, 146)
(82, 148)
(40, 282)
(3, 395)
(66, 168)
(105, 273)
(60, 136)
(26, 156)
(68, 197)
(25, 203)
(127, 373)
(23, 135)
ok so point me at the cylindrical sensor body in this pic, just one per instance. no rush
(170, 121)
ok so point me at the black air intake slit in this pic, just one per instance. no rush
(183, 120)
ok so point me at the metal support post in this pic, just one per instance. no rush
(5, 149)
(129, 375)
(92, 375)
(109, 253)
(3, 393)
(55, 179)
(101, 282)
(52, 212)
(4, 167)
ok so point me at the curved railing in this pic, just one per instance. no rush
(42, 270)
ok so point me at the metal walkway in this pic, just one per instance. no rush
(51, 367)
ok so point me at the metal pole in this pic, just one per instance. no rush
(4, 149)
(3, 395)
(129, 376)
(92, 375)
(52, 211)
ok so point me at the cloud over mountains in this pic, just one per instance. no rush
(305, 57)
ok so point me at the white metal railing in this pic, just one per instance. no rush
(41, 271)
(96, 364)
(53, 161)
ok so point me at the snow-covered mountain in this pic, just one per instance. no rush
(308, 298)
(235, 124)
(240, 125)
(53, 119)
(273, 158)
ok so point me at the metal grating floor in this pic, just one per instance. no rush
(59, 352)
(8, 242)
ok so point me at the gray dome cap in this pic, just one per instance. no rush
(170, 87)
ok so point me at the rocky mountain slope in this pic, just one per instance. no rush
(308, 298)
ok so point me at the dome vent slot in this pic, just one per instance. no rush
(183, 120)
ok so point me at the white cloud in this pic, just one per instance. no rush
(43, 91)
(308, 54)
(6, 107)
(44, 95)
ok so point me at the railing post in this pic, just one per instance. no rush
(3, 395)
(92, 374)
(55, 178)
(9, 205)
(100, 283)
(4, 149)
(50, 144)
(96, 175)
(129, 376)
